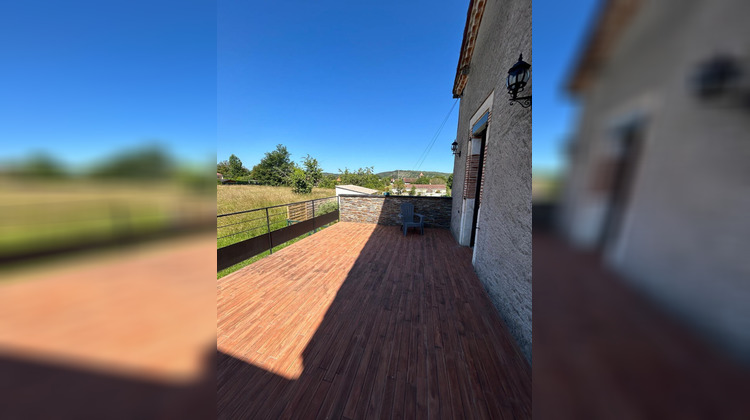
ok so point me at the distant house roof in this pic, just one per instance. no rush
(220, 176)
(429, 187)
(357, 188)
(410, 180)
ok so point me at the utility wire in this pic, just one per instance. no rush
(426, 152)
(434, 138)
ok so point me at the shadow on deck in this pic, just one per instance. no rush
(359, 321)
(602, 350)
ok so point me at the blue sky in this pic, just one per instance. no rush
(82, 80)
(354, 84)
(559, 30)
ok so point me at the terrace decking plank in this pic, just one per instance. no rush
(402, 340)
(374, 362)
(297, 401)
(377, 395)
(361, 369)
(354, 323)
(391, 371)
(358, 321)
(630, 355)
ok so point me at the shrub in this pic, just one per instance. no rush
(300, 182)
(326, 207)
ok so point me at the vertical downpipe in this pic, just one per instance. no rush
(268, 226)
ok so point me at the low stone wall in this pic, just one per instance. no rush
(385, 210)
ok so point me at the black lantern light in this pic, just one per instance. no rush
(716, 76)
(454, 148)
(518, 76)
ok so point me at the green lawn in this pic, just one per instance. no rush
(40, 216)
(249, 224)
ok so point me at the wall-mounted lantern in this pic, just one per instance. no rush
(716, 77)
(518, 76)
(454, 148)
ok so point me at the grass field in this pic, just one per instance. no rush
(231, 198)
(252, 201)
(545, 187)
(46, 215)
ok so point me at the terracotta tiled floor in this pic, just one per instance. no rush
(125, 334)
(358, 321)
(603, 351)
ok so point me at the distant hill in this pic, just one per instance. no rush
(411, 174)
(546, 186)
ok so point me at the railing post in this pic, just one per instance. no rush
(315, 229)
(338, 204)
(268, 225)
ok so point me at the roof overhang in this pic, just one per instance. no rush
(471, 30)
(614, 17)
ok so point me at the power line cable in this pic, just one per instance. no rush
(426, 152)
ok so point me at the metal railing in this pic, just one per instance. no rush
(244, 234)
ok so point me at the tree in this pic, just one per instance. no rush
(235, 169)
(413, 191)
(313, 172)
(364, 177)
(422, 180)
(43, 165)
(400, 186)
(143, 163)
(300, 182)
(449, 181)
(223, 168)
(275, 168)
(328, 181)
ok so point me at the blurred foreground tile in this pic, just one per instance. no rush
(602, 350)
(129, 334)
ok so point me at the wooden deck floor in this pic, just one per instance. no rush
(602, 350)
(358, 321)
(112, 335)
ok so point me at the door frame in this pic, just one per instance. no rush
(482, 139)
(468, 215)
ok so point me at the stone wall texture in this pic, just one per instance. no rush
(503, 241)
(385, 210)
(683, 236)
